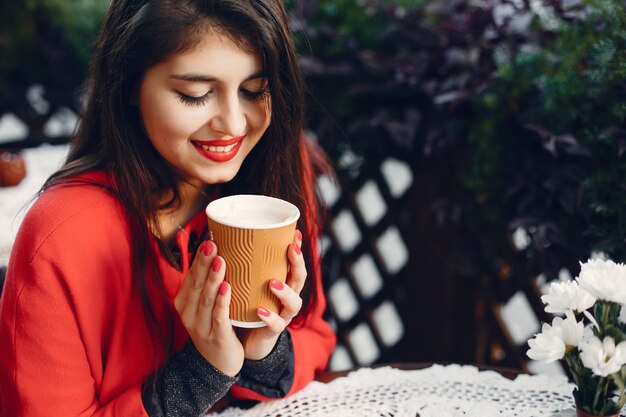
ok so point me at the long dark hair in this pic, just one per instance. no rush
(137, 34)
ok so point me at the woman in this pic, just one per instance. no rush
(114, 303)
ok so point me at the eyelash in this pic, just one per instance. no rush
(257, 95)
(200, 101)
(193, 101)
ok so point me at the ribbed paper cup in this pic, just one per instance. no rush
(252, 234)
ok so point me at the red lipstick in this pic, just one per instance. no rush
(219, 150)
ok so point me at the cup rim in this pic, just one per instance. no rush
(248, 324)
(223, 200)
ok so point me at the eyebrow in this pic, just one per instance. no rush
(200, 78)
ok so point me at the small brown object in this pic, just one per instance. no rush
(12, 168)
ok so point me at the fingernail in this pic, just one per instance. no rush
(206, 247)
(299, 235)
(277, 284)
(202, 248)
(209, 247)
(263, 311)
(217, 262)
(297, 249)
(223, 288)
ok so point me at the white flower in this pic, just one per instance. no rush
(546, 348)
(567, 296)
(602, 357)
(571, 331)
(604, 279)
(598, 254)
(557, 339)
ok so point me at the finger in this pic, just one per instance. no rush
(221, 325)
(274, 322)
(209, 294)
(201, 261)
(195, 280)
(297, 268)
(290, 300)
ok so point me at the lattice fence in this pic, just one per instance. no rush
(382, 306)
(364, 252)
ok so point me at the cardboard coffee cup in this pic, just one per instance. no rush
(252, 234)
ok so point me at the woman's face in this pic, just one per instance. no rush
(205, 109)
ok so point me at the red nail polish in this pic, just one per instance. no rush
(202, 248)
(223, 288)
(299, 235)
(208, 247)
(217, 262)
(277, 284)
(297, 249)
(263, 311)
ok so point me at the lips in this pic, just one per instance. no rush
(219, 150)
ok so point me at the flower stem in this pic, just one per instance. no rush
(601, 312)
(606, 309)
(599, 390)
(573, 367)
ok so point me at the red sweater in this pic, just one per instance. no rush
(73, 341)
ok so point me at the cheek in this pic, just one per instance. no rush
(168, 120)
(262, 115)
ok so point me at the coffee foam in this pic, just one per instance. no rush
(249, 218)
(252, 211)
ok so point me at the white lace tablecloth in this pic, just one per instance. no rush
(438, 391)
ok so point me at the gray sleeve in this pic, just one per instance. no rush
(271, 376)
(188, 386)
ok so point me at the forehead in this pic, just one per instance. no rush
(216, 54)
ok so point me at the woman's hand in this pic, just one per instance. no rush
(203, 306)
(258, 343)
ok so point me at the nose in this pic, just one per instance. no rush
(230, 117)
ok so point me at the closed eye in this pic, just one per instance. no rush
(193, 100)
(256, 95)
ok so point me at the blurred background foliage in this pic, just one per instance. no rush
(39, 35)
(522, 103)
(45, 43)
(516, 105)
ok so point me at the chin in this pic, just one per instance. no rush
(217, 174)
(220, 179)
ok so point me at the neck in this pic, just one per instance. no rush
(192, 201)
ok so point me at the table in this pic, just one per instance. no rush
(508, 373)
(434, 391)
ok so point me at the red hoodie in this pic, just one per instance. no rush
(73, 340)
